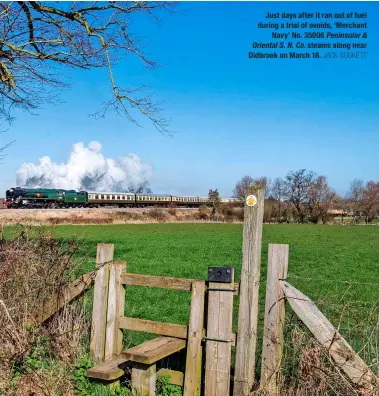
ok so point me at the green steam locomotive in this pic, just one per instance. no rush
(18, 198)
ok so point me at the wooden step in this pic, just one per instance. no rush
(108, 371)
(151, 351)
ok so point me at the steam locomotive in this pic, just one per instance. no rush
(18, 198)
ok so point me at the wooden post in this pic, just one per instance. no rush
(274, 318)
(219, 327)
(100, 301)
(116, 306)
(249, 290)
(327, 335)
(192, 380)
(145, 377)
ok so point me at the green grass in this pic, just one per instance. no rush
(328, 254)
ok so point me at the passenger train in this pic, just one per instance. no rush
(18, 198)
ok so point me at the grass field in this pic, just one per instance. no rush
(328, 255)
(336, 266)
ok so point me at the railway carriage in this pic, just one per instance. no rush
(153, 200)
(98, 199)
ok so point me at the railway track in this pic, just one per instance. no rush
(78, 210)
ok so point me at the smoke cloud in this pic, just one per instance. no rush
(87, 169)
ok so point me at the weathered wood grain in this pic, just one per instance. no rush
(249, 292)
(274, 317)
(192, 378)
(100, 302)
(144, 379)
(151, 351)
(108, 371)
(149, 326)
(55, 303)
(115, 310)
(219, 326)
(163, 282)
(342, 353)
(176, 377)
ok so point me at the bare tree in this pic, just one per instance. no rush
(298, 184)
(241, 189)
(142, 188)
(354, 197)
(40, 39)
(278, 194)
(321, 198)
(370, 201)
(215, 200)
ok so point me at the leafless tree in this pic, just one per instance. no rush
(215, 200)
(278, 194)
(370, 201)
(39, 40)
(354, 197)
(321, 198)
(298, 184)
(242, 187)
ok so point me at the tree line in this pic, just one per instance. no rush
(304, 196)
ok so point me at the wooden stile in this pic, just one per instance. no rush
(249, 293)
(274, 318)
(192, 378)
(342, 353)
(115, 310)
(100, 302)
(219, 327)
(149, 326)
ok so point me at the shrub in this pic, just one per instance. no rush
(34, 268)
(172, 209)
(203, 212)
(157, 214)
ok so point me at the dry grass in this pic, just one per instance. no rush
(307, 368)
(37, 358)
(227, 213)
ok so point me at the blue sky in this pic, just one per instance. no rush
(232, 116)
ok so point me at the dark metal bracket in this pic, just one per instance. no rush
(214, 289)
(216, 339)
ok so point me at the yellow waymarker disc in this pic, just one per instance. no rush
(251, 200)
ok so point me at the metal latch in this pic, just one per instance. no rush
(220, 274)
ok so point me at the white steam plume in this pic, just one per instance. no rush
(87, 169)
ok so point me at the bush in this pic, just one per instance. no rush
(158, 214)
(203, 213)
(34, 268)
(172, 209)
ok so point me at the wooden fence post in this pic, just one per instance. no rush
(219, 327)
(116, 306)
(249, 290)
(100, 301)
(192, 379)
(274, 318)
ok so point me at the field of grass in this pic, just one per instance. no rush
(325, 255)
(336, 266)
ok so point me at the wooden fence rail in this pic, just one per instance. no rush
(342, 353)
